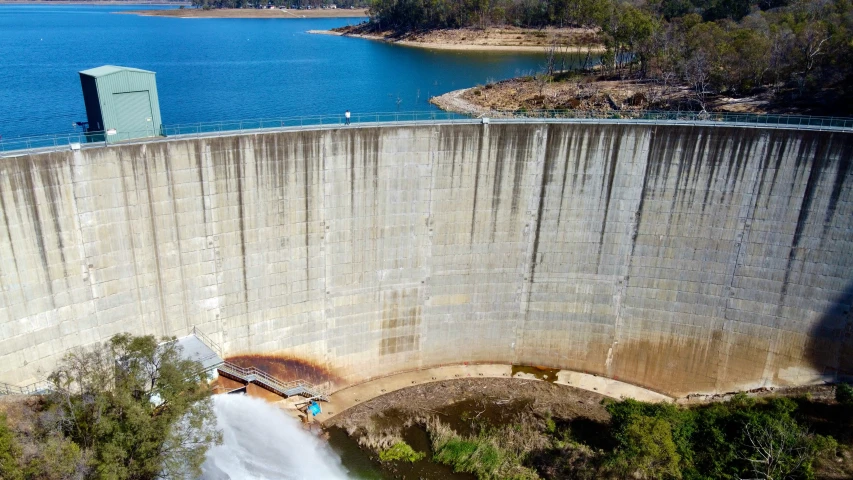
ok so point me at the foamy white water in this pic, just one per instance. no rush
(262, 442)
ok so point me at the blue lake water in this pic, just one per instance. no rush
(220, 69)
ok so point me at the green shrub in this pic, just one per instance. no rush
(844, 394)
(648, 449)
(400, 452)
(477, 456)
(10, 452)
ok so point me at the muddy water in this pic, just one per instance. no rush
(364, 464)
(542, 373)
(463, 417)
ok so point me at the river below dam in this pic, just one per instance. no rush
(221, 68)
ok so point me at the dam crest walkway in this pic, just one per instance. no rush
(28, 145)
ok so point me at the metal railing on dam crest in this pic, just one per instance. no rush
(95, 139)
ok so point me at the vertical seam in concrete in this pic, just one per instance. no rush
(32, 205)
(156, 244)
(76, 157)
(427, 271)
(168, 163)
(210, 230)
(745, 219)
(483, 135)
(611, 163)
(322, 180)
(633, 231)
(14, 255)
(538, 196)
(132, 246)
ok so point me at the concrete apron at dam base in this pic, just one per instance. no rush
(683, 258)
(349, 397)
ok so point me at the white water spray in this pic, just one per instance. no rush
(262, 442)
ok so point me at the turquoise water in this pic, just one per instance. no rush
(220, 69)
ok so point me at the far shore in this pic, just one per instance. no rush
(251, 13)
(111, 3)
(506, 39)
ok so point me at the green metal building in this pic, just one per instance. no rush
(121, 103)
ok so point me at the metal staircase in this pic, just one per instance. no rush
(263, 380)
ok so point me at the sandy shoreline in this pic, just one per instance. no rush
(454, 102)
(250, 13)
(481, 47)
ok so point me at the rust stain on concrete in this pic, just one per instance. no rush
(286, 368)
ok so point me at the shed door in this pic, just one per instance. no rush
(133, 115)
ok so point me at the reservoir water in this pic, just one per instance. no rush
(220, 69)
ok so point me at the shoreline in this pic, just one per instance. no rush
(468, 47)
(111, 3)
(501, 98)
(249, 13)
(452, 101)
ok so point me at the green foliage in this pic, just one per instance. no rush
(741, 438)
(652, 439)
(550, 425)
(799, 50)
(58, 458)
(136, 408)
(650, 450)
(844, 394)
(400, 452)
(10, 452)
(493, 454)
(479, 457)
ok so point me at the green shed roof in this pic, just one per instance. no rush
(109, 70)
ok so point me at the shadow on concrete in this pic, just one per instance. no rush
(830, 344)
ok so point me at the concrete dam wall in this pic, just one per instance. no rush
(679, 258)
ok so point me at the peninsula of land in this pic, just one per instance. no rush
(594, 93)
(252, 13)
(498, 39)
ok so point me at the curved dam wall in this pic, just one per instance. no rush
(679, 258)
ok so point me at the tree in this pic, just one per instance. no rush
(10, 452)
(648, 448)
(58, 458)
(137, 406)
(844, 394)
(777, 448)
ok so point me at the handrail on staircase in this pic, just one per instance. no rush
(207, 341)
(253, 374)
(250, 374)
